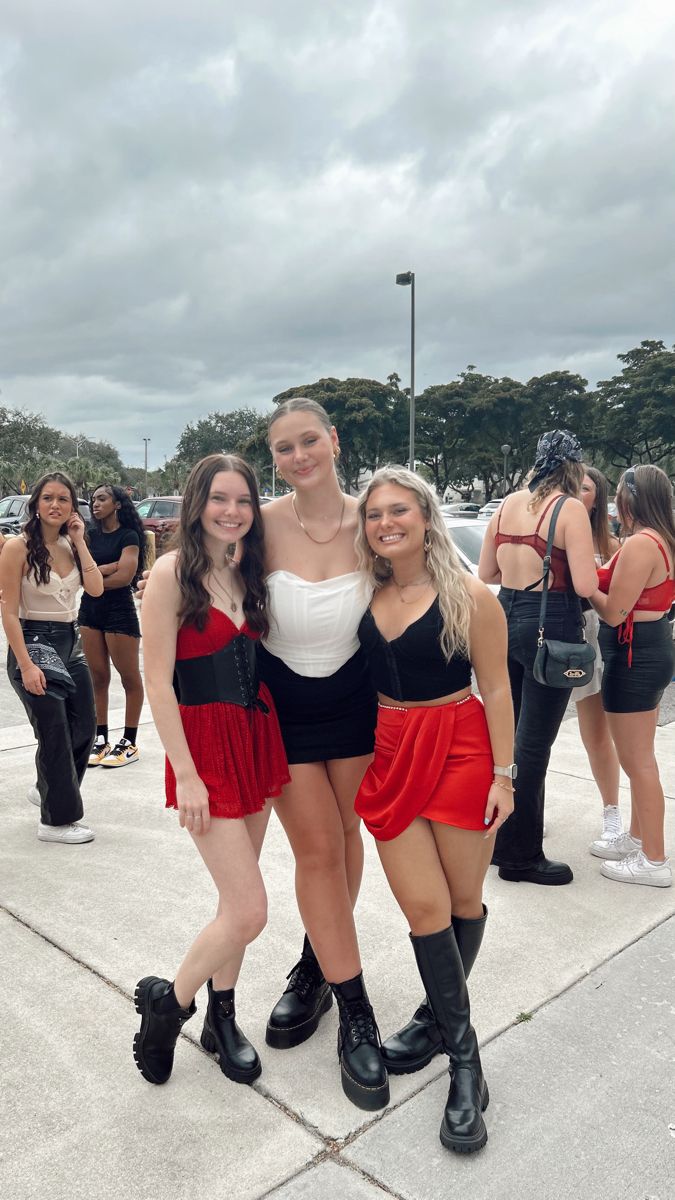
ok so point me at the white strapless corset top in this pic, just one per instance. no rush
(313, 626)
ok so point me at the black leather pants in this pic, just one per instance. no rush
(65, 729)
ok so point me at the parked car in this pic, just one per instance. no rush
(14, 513)
(460, 508)
(467, 534)
(491, 507)
(161, 515)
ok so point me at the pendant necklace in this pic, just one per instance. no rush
(220, 588)
(324, 541)
(400, 587)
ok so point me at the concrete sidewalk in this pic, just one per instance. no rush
(582, 1092)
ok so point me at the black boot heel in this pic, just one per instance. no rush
(222, 1037)
(414, 1046)
(362, 1068)
(296, 1015)
(162, 1019)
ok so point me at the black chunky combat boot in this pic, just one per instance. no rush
(439, 964)
(296, 1016)
(414, 1046)
(162, 1021)
(364, 1075)
(221, 1036)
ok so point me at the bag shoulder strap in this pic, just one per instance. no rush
(547, 565)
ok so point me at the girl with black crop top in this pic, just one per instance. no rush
(109, 624)
(440, 784)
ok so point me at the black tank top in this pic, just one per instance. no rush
(413, 666)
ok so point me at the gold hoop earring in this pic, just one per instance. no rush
(336, 453)
(427, 543)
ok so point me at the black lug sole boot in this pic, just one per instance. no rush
(364, 1075)
(295, 1017)
(221, 1036)
(414, 1046)
(162, 1021)
(439, 963)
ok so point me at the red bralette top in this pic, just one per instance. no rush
(562, 580)
(654, 599)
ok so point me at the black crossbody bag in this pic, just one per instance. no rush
(559, 664)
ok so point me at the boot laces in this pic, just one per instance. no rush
(361, 1025)
(304, 977)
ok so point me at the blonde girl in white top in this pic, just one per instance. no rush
(40, 576)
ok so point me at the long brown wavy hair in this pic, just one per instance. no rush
(566, 478)
(37, 557)
(599, 514)
(645, 497)
(194, 563)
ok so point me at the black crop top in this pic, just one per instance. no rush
(413, 666)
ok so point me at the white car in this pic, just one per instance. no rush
(488, 509)
(467, 536)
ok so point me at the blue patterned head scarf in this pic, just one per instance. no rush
(553, 449)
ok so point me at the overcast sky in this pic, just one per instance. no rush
(203, 204)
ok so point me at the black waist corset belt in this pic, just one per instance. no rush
(229, 676)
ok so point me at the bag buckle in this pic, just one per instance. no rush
(540, 639)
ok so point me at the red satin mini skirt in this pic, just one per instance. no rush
(432, 762)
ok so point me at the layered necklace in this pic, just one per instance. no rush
(223, 592)
(319, 541)
(420, 583)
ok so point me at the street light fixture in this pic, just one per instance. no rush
(407, 279)
(506, 450)
(146, 440)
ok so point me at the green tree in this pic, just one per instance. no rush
(237, 432)
(635, 417)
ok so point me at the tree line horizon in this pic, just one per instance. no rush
(460, 428)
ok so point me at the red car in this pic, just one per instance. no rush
(161, 515)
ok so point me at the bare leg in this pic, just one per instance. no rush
(123, 651)
(230, 856)
(310, 814)
(227, 975)
(633, 735)
(98, 660)
(602, 755)
(345, 775)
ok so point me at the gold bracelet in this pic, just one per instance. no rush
(504, 786)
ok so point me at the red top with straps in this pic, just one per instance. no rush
(562, 580)
(654, 599)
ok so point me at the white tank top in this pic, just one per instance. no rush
(53, 601)
(313, 626)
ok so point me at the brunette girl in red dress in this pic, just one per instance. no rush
(202, 615)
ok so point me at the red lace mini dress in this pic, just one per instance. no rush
(238, 752)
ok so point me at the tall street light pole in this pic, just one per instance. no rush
(506, 450)
(407, 279)
(146, 440)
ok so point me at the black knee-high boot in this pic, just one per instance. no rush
(296, 1015)
(221, 1036)
(414, 1046)
(440, 967)
(162, 1021)
(364, 1075)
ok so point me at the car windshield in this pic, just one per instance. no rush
(4, 506)
(468, 539)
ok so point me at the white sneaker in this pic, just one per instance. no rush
(64, 833)
(34, 796)
(638, 869)
(615, 848)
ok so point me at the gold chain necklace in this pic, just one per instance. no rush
(311, 537)
(400, 587)
(220, 588)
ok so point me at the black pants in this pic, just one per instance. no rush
(65, 729)
(539, 711)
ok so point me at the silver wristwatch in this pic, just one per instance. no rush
(510, 772)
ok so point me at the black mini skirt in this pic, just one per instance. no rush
(637, 688)
(113, 612)
(322, 718)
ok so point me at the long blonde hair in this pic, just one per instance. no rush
(443, 563)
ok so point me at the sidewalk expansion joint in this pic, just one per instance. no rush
(331, 1156)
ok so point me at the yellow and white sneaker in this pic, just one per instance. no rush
(121, 755)
(98, 753)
